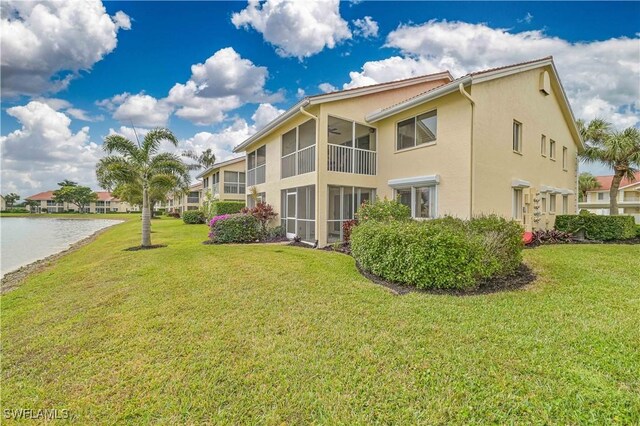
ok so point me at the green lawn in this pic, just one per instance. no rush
(259, 334)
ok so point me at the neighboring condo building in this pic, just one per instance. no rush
(181, 202)
(597, 201)
(106, 203)
(499, 141)
(225, 181)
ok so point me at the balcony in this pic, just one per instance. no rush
(299, 162)
(234, 188)
(346, 159)
(215, 189)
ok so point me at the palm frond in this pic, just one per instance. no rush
(121, 145)
(154, 138)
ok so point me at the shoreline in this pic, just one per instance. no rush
(13, 279)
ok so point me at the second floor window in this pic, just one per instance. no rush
(298, 150)
(418, 130)
(517, 136)
(543, 146)
(565, 158)
(552, 149)
(234, 182)
(256, 165)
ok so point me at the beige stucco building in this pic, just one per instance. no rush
(106, 203)
(597, 201)
(499, 141)
(180, 201)
(225, 181)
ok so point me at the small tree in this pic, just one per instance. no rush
(203, 161)
(263, 212)
(31, 204)
(11, 199)
(80, 196)
(586, 182)
(619, 150)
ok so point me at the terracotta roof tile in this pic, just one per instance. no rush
(605, 182)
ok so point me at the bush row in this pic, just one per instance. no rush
(595, 227)
(226, 207)
(438, 254)
(193, 217)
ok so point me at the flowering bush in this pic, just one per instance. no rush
(234, 228)
(214, 220)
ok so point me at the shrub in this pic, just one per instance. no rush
(193, 217)
(226, 207)
(174, 214)
(236, 228)
(638, 231)
(550, 236)
(383, 211)
(347, 227)
(263, 212)
(595, 227)
(446, 253)
(277, 233)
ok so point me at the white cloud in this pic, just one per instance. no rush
(300, 93)
(327, 87)
(296, 28)
(265, 113)
(129, 132)
(527, 18)
(600, 77)
(140, 109)
(45, 44)
(366, 27)
(62, 105)
(224, 82)
(45, 150)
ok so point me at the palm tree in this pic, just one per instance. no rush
(203, 161)
(619, 150)
(586, 182)
(140, 164)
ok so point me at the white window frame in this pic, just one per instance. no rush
(433, 195)
(516, 144)
(552, 203)
(565, 158)
(517, 197)
(415, 132)
(256, 166)
(552, 149)
(543, 145)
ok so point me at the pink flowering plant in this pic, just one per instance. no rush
(214, 220)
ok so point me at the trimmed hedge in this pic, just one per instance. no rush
(193, 217)
(438, 254)
(383, 211)
(237, 228)
(226, 207)
(595, 227)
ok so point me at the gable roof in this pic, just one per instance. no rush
(339, 95)
(479, 77)
(605, 182)
(222, 164)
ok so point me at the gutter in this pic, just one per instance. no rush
(275, 123)
(471, 180)
(427, 96)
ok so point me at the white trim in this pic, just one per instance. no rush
(414, 181)
(519, 183)
(222, 164)
(445, 89)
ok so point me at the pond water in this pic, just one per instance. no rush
(24, 240)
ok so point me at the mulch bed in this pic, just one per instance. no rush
(631, 241)
(523, 276)
(138, 248)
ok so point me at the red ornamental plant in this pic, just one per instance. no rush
(347, 227)
(263, 212)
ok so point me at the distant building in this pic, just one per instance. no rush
(181, 202)
(3, 203)
(106, 203)
(597, 201)
(225, 181)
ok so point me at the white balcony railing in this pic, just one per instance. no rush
(307, 160)
(234, 188)
(347, 159)
(299, 162)
(256, 176)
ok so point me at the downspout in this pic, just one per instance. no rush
(308, 114)
(471, 180)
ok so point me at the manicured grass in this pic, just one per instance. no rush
(257, 334)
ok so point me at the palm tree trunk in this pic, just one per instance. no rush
(146, 217)
(613, 192)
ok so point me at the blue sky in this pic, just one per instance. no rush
(137, 66)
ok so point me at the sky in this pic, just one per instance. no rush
(216, 72)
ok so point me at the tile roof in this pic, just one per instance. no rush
(605, 182)
(48, 195)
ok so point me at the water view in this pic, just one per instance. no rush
(24, 240)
